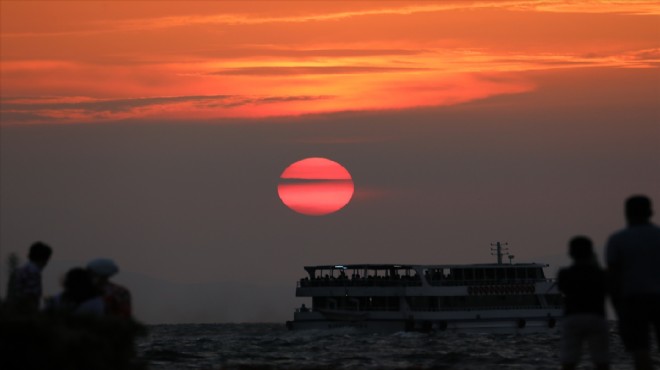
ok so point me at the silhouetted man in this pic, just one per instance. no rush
(584, 286)
(24, 288)
(633, 258)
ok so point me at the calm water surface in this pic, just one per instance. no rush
(271, 346)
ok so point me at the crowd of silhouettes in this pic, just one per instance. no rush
(85, 290)
(88, 325)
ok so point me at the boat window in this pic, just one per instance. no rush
(490, 274)
(458, 274)
(479, 274)
(510, 273)
(500, 274)
(469, 274)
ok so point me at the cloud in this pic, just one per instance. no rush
(273, 87)
(644, 7)
(106, 105)
(632, 59)
(301, 52)
(647, 55)
(271, 99)
(153, 23)
(22, 116)
(640, 7)
(39, 109)
(338, 52)
(312, 70)
(606, 6)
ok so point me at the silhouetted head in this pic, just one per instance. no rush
(40, 253)
(78, 285)
(638, 210)
(102, 268)
(581, 249)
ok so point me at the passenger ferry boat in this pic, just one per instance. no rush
(498, 297)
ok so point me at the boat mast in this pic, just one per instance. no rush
(499, 250)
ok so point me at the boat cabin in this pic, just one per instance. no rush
(418, 275)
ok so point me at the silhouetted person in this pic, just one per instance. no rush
(24, 288)
(584, 285)
(116, 297)
(80, 295)
(633, 258)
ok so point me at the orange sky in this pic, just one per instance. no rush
(64, 62)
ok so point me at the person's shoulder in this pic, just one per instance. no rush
(620, 233)
(633, 232)
(27, 269)
(92, 306)
(565, 272)
(616, 237)
(117, 289)
(654, 227)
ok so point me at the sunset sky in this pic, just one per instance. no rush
(155, 133)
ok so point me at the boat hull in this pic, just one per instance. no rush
(530, 321)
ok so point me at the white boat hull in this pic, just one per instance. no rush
(526, 321)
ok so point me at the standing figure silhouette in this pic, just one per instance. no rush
(584, 285)
(633, 259)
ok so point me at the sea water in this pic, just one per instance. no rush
(271, 346)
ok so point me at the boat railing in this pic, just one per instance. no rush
(439, 309)
(487, 282)
(487, 308)
(409, 281)
(360, 309)
(364, 282)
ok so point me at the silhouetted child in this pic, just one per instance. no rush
(584, 285)
(24, 288)
(633, 258)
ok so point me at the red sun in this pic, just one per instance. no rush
(315, 186)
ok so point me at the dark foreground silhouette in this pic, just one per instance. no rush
(584, 285)
(49, 341)
(633, 257)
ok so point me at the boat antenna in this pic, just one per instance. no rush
(499, 250)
